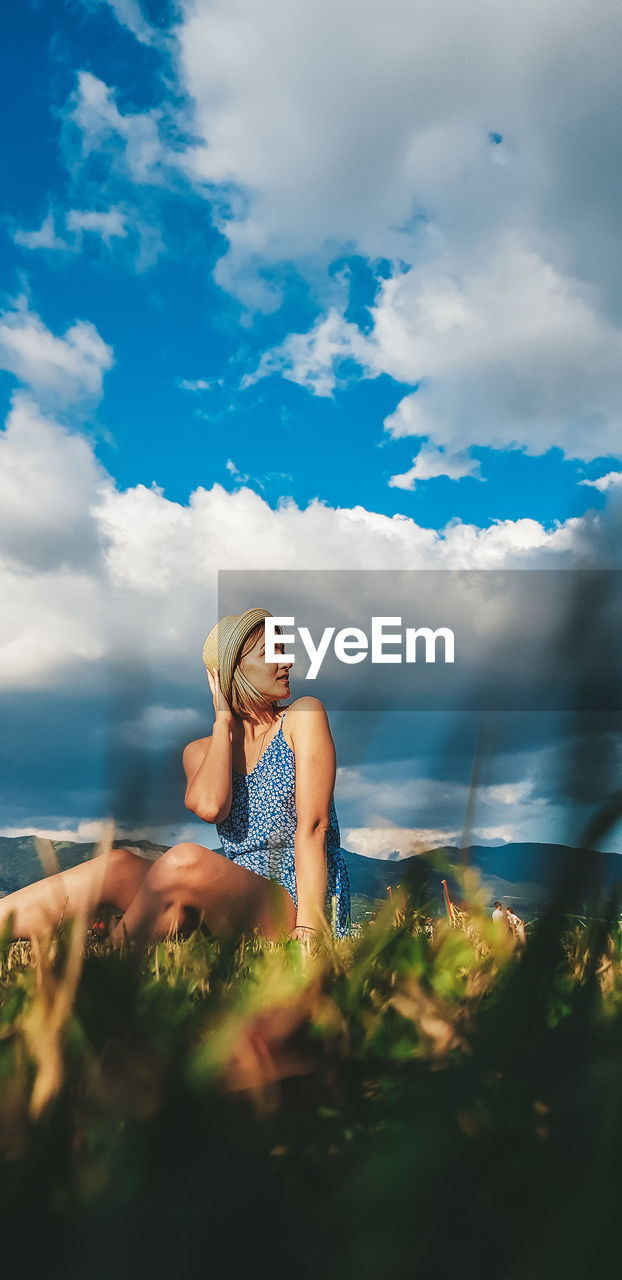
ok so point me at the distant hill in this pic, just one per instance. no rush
(526, 873)
(20, 865)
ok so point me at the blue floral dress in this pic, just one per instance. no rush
(259, 829)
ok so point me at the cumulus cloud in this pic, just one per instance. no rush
(512, 355)
(476, 149)
(406, 842)
(386, 801)
(44, 238)
(130, 15)
(118, 223)
(68, 368)
(48, 479)
(383, 842)
(160, 727)
(603, 483)
(134, 135)
(430, 463)
(99, 584)
(471, 124)
(193, 384)
(149, 148)
(312, 359)
(474, 120)
(107, 223)
(83, 833)
(106, 565)
(473, 151)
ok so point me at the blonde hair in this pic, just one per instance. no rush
(245, 698)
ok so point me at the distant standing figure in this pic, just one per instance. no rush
(500, 917)
(516, 924)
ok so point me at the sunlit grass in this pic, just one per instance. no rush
(375, 1100)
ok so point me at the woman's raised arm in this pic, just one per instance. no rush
(207, 763)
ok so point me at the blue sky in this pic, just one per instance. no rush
(299, 277)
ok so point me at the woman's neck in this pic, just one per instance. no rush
(254, 726)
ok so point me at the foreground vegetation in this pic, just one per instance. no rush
(415, 1097)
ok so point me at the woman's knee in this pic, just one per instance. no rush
(182, 862)
(179, 868)
(124, 870)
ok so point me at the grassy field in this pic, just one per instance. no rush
(415, 1097)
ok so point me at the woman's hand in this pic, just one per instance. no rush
(222, 710)
(305, 934)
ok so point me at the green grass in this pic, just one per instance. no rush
(405, 1100)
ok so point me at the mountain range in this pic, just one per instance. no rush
(525, 874)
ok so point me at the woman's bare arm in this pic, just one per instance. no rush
(207, 764)
(315, 780)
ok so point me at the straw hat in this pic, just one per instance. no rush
(223, 644)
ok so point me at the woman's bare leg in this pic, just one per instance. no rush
(112, 879)
(229, 898)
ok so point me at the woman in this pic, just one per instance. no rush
(265, 776)
(516, 924)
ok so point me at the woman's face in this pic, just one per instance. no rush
(271, 679)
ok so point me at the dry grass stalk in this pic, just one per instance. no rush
(45, 1018)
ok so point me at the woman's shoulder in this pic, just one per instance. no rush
(307, 705)
(305, 717)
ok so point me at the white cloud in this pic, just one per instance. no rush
(160, 726)
(544, 371)
(90, 832)
(86, 568)
(430, 463)
(386, 139)
(385, 842)
(344, 124)
(386, 803)
(381, 842)
(44, 238)
(69, 368)
(508, 793)
(605, 482)
(129, 14)
(93, 110)
(237, 475)
(118, 223)
(193, 384)
(494, 835)
(94, 579)
(460, 144)
(107, 223)
(52, 621)
(312, 359)
(147, 147)
(457, 144)
(48, 479)
(83, 833)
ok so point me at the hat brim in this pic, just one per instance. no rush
(223, 644)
